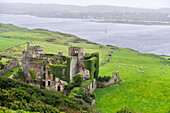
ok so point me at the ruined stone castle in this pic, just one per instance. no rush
(52, 71)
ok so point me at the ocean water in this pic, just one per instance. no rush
(143, 38)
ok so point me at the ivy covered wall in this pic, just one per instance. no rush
(57, 70)
(92, 64)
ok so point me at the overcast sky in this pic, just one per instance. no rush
(152, 4)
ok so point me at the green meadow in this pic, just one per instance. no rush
(145, 86)
(146, 77)
(6, 27)
(6, 43)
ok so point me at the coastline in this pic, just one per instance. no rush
(131, 22)
(96, 40)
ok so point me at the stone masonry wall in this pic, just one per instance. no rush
(111, 81)
(12, 64)
(73, 68)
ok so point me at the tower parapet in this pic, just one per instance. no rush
(76, 51)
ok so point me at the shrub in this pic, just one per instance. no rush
(125, 110)
(33, 74)
(78, 79)
(1, 66)
(21, 96)
(78, 92)
(68, 86)
(19, 75)
(103, 79)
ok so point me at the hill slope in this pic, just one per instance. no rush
(71, 11)
(20, 96)
(145, 87)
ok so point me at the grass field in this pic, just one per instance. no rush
(145, 86)
(5, 27)
(53, 42)
(6, 43)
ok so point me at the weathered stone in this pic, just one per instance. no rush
(36, 61)
(87, 54)
(12, 64)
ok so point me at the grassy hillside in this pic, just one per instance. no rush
(8, 43)
(6, 27)
(145, 86)
(53, 42)
(20, 96)
(6, 110)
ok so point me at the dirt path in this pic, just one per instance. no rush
(107, 61)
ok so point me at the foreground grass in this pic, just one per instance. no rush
(145, 87)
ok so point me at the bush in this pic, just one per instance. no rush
(20, 96)
(1, 66)
(33, 74)
(125, 110)
(19, 75)
(78, 79)
(103, 79)
(69, 86)
(78, 92)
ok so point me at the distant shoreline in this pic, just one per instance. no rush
(132, 22)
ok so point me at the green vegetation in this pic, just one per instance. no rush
(92, 64)
(1, 64)
(103, 79)
(6, 110)
(8, 43)
(145, 87)
(19, 74)
(32, 73)
(61, 71)
(6, 27)
(40, 37)
(20, 96)
(78, 92)
(5, 60)
(11, 72)
(78, 80)
(77, 89)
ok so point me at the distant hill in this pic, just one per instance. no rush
(94, 11)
